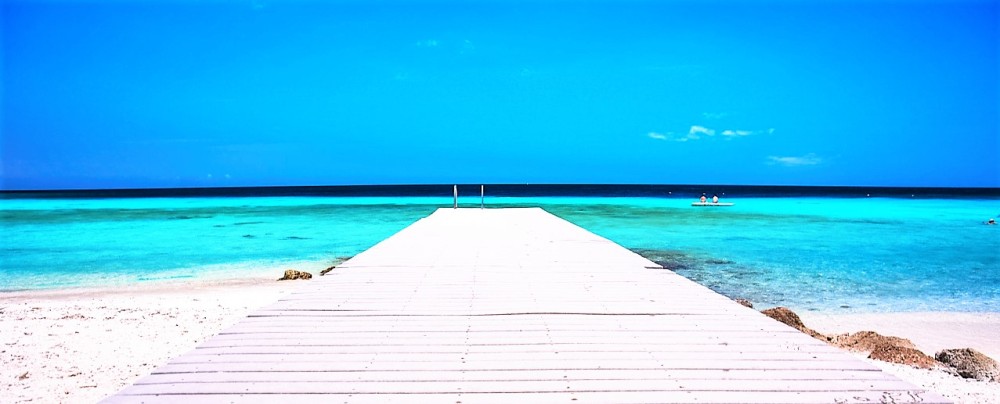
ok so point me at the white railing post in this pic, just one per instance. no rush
(455, 190)
(482, 197)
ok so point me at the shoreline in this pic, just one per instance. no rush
(84, 344)
(202, 275)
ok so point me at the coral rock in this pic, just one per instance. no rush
(970, 364)
(868, 341)
(784, 315)
(789, 318)
(902, 355)
(885, 348)
(291, 274)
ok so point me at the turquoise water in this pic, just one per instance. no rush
(810, 253)
(92, 242)
(825, 254)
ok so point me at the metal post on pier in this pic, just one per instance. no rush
(482, 197)
(455, 190)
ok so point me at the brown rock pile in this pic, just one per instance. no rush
(789, 318)
(903, 355)
(967, 362)
(879, 347)
(325, 271)
(970, 364)
(785, 315)
(868, 341)
(291, 274)
(885, 348)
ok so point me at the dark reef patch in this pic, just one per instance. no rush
(669, 259)
(714, 261)
(189, 217)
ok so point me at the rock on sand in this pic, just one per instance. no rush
(291, 274)
(970, 364)
(789, 318)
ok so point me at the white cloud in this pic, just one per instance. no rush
(697, 132)
(698, 129)
(730, 132)
(671, 136)
(741, 133)
(810, 159)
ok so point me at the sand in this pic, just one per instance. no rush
(81, 345)
(930, 332)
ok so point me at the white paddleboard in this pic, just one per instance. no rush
(711, 204)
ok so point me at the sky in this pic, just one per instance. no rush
(151, 94)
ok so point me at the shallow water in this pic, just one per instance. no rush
(809, 253)
(827, 254)
(59, 243)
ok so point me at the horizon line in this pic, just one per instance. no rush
(618, 185)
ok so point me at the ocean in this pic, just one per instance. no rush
(808, 248)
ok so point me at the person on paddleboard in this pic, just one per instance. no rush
(715, 199)
(703, 198)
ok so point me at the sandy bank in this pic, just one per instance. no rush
(81, 345)
(930, 332)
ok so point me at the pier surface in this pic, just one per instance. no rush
(511, 306)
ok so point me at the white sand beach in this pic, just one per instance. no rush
(930, 332)
(81, 345)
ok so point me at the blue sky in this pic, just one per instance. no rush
(118, 94)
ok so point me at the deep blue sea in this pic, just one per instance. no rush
(822, 249)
